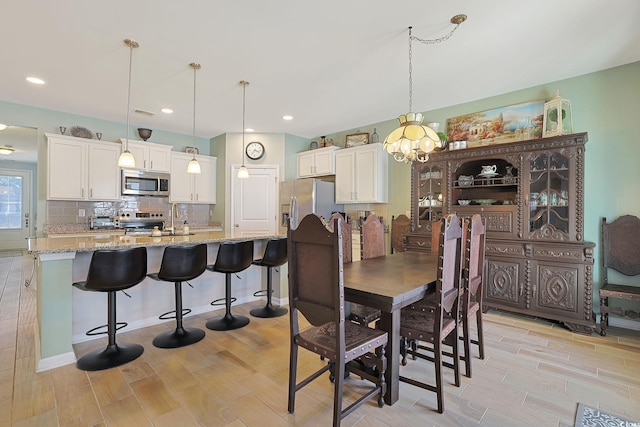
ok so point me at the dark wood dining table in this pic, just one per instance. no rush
(390, 283)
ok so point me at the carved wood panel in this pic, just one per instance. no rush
(557, 288)
(503, 282)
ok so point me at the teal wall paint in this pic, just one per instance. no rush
(293, 145)
(218, 148)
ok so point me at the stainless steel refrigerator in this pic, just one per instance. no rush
(301, 197)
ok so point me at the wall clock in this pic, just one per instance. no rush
(255, 150)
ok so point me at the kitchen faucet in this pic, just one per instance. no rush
(173, 213)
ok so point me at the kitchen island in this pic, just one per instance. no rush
(65, 313)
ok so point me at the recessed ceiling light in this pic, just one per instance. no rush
(167, 110)
(287, 117)
(35, 80)
(249, 130)
(3, 126)
(6, 150)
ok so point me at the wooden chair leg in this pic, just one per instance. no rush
(480, 334)
(293, 366)
(337, 393)
(466, 340)
(437, 364)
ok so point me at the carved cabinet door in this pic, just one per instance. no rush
(557, 288)
(505, 283)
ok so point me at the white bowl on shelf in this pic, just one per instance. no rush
(464, 202)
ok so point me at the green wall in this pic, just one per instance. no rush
(605, 104)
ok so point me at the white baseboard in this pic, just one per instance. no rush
(56, 361)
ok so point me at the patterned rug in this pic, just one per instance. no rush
(593, 417)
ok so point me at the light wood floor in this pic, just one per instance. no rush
(534, 374)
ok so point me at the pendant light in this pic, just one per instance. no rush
(194, 165)
(243, 172)
(126, 159)
(412, 140)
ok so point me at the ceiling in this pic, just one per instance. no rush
(334, 65)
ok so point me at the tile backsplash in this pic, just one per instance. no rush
(74, 215)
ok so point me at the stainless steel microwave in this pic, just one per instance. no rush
(145, 183)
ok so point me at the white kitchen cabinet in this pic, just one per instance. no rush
(192, 188)
(317, 162)
(149, 156)
(361, 174)
(79, 169)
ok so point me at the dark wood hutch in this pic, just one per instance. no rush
(537, 261)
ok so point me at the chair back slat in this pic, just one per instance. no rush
(400, 226)
(347, 249)
(449, 260)
(474, 259)
(315, 271)
(372, 237)
(621, 245)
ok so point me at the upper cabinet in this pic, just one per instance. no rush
(79, 169)
(150, 156)
(192, 188)
(317, 162)
(361, 174)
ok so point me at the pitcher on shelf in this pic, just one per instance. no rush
(489, 170)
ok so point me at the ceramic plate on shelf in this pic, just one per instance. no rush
(485, 201)
(488, 175)
(80, 132)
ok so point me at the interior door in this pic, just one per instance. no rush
(254, 206)
(15, 208)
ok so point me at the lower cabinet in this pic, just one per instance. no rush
(550, 280)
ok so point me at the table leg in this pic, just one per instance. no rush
(390, 322)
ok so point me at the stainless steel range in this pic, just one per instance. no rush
(140, 222)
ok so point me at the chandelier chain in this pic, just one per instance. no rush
(427, 41)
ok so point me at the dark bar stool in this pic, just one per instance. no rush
(274, 256)
(180, 264)
(112, 271)
(233, 257)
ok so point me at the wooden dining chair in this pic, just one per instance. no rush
(432, 326)
(371, 246)
(400, 226)
(472, 284)
(316, 291)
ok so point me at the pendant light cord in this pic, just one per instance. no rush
(129, 90)
(457, 20)
(244, 88)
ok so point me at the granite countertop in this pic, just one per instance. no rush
(105, 241)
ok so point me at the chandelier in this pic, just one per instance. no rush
(413, 141)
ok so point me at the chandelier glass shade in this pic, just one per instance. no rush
(411, 141)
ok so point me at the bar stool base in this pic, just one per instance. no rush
(178, 338)
(109, 357)
(227, 322)
(269, 311)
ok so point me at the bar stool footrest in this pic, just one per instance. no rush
(223, 301)
(262, 293)
(119, 325)
(165, 316)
